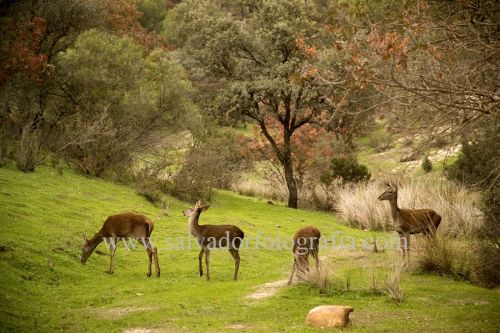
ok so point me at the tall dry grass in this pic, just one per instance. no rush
(358, 205)
(260, 189)
(315, 197)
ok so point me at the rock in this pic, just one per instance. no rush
(329, 316)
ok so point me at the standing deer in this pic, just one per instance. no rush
(410, 221)
(119, 226)
(213, 236)
(305, 243)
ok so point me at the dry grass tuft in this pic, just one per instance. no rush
(393, 283)
(445, 256)
(358, 205)
(320, 279)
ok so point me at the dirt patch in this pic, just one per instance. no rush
(121, 312)
(267, 289)
(141, 330)
(238, 326)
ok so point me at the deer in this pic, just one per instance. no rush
(210, 236)
(124, 225)
(409, 221)
(305, 243)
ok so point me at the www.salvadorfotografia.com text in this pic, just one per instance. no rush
(260, 241)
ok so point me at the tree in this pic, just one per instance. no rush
(35, 33)
(128, 98)
(440, 64)
(268, 55)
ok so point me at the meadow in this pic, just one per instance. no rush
(45, 288)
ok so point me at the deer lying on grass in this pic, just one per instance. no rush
(213, 236)
(305, 243)
(410, 221)
(124, 225)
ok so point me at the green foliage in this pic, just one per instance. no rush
(153, 14)
(121, 100)
(426, 164)
(478, 161)
(347, 169)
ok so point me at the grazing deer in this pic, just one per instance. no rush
(410, 221)
(214, 236)
(119, 226)
(305, 243)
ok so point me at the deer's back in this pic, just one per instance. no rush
(418, 220)
(307, 237)
(219, 231)
(126, 225)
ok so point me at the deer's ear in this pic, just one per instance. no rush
(204, 208)
(85, 237)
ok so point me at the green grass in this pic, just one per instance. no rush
(45, 288)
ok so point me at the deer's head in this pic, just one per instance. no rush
(198, 207)
(390, 192)
(86, 250)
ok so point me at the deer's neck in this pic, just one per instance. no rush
(94, 241)
(394, 210)
(194, 227)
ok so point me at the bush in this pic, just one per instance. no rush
(477, 166)
(347, 169)
(380, 140)
(216, 162)
(29, 150)
(445, 256)
(426, 164)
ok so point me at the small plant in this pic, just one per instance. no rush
(426, 164)
(393, 283)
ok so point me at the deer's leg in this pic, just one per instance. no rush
(236, 255)
(112, 248)
(402, 245)
(293, 270)
(314, 253)
(407, 237)
(157, 263)
(207, 262)
(149, 250)
(200, 257)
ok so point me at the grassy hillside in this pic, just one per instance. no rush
(45, 288)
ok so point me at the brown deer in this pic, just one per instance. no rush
(124, 225)
(305, 243)
(214, 236)
(409, 221)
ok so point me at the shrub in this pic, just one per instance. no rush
(426, 164)
(380, 140)
(29, 150)
(477, 166)
(216, 162)
(486, 270)
(347, 169)
(153, 182)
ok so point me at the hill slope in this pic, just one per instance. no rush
(44, 287)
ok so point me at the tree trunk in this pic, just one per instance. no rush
(288, 168)
(291, 184)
